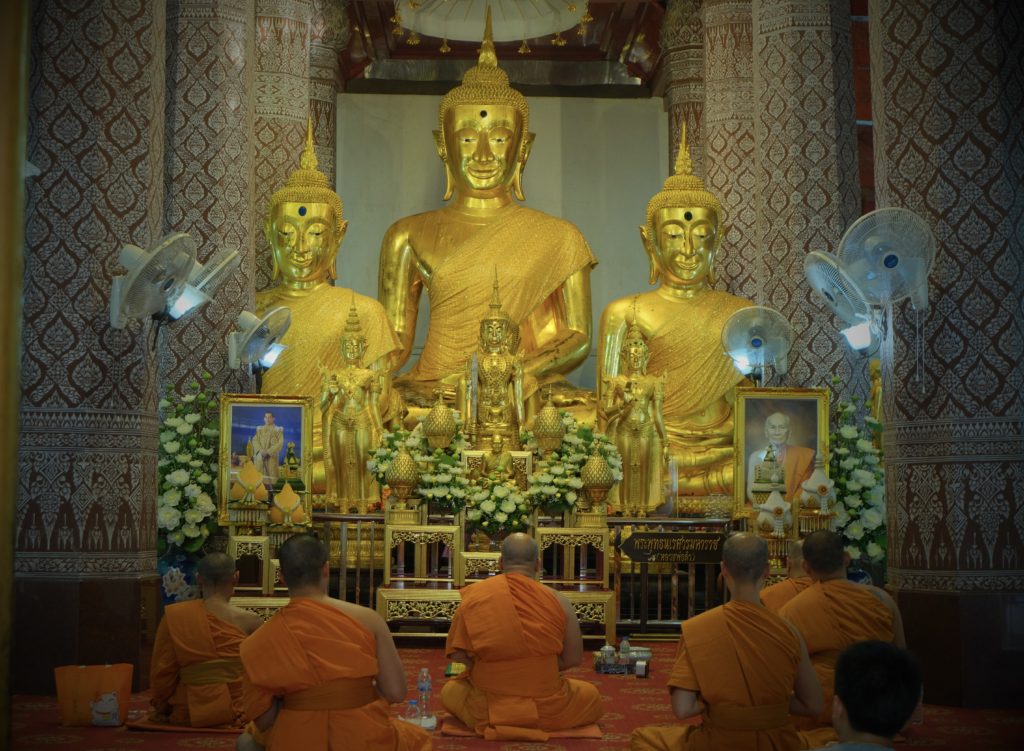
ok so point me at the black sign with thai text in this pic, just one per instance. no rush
(674, 547)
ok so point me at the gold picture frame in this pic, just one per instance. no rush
(241, 417)
(807, 410)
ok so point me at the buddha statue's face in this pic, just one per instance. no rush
(493, 334)
(636, 358)
(482, 144)
(497, 443)
(304, 240)
(352, 349)
(685, 243)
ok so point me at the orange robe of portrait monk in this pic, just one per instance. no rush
(196, 674)
(513, 628)
(322, 663)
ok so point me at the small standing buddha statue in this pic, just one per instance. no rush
(682, 321)
(632, 418)
(490, 392)
(351, 421)
(304, 227)
(484, 143)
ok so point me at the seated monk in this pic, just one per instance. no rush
(322, 672)
(196, 676)
(878, 689)
(832, 614)
(739, 666)
(778, 594)
(515, 635)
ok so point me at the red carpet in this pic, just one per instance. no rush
(629, 702)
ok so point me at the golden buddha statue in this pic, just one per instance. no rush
(484, 143)
(490, 391)
(632, 418)
(305, 228)
(498, 460)
(682, 321)
(351, 422)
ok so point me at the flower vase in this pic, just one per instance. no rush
(177, 571)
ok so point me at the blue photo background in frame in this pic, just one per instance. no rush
(246, 418)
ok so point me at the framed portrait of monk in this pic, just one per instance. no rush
(275, 433)
(789, 425)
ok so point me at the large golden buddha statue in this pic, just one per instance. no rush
(682, 321)
(304, 227)
(543, 260)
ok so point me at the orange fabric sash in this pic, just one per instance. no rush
(341, 693)
(222, 670)
(763, 717)
(497, 677)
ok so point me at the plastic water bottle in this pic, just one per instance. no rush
(413, 713)
(624, 648)
(424, 686)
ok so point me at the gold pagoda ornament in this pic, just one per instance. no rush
(597, 479)
(548, 428)
(403, 475)
(439, 425)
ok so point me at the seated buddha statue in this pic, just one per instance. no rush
(304, 227)
(490, 391)
(682, 321)
(544, 261)
(351, 421)
(632, 417)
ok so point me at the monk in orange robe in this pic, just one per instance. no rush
(832, 614)
(739, 666)
(321, 673)
(777, 595)
(196, 676)
(516, 635)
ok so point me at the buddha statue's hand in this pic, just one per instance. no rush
(699, 457)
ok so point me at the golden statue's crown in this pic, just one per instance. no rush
(683, 189)
(485, 83)
(634, 336)
(307, 184)
(353, 328)
(496, 313)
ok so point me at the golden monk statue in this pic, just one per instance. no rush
(632, 418)
(351, 420)
(545, 262)
(490, 392)
(304, 227)
(682, 322)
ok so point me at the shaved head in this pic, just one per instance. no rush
(216, 569)
(745, 555)
(823, 552)
(795, 557)
(519, 549)
(302, 558)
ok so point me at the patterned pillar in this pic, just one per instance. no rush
(806, 191)
(209, 180)
(329, 33)
(947, 93)
(682, 40)
(282, 102)
(85, 533)
(729, 149)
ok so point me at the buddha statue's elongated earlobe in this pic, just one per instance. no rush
(268, 232)
(524, 154)
(442, 152)
(652, 256)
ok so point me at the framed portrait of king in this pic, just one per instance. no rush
(792, 423)
(275, 433)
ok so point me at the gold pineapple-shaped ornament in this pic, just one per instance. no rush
(402, 476)
(597, 480)
(439, 425)
(548, 427)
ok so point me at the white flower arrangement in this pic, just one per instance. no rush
(856, 467)
(186, 509)
(445, 482)
(498, 507)
(555, 484)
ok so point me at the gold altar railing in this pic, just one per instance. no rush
(657, 598)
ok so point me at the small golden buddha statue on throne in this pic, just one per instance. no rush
(351, 420)
(682, 322)
(545, 263)
(304, 227)
(490, 392)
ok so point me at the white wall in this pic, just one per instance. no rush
(595, 162)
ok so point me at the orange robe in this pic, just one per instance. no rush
(322, 663)
(831, 616)
(514, 628)
(742, 660)
(196, 677)
(778, 594)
